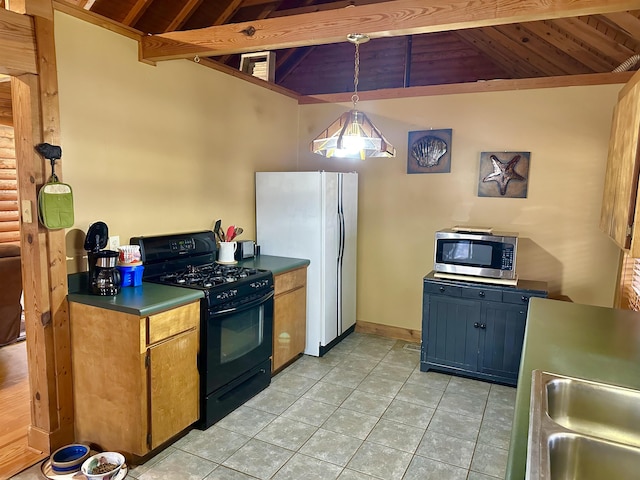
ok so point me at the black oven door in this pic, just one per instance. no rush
(236, 340)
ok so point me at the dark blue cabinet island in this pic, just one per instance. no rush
(475, 329)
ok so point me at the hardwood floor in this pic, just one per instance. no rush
(15, 415)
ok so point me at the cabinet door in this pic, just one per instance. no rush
(289, 326)
(621, 176)
(503, 328)
(173, 386)
(452, 338)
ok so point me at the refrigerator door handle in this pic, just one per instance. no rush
(341, 242)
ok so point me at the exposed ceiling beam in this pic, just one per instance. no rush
(542, 54)
(597, 40)
(228, 12)
(289, 67)
(551, 52)
(627, 22)
(322, 7)
(253, 3)
(560, 40)
(136, 11)
(183, 15)
(499, 55)
(264, 13)
(395, 18)
(18, 52)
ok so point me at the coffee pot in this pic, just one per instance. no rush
(104, 276)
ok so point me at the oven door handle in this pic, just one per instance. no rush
(244, 307)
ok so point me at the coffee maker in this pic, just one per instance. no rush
(104, 277)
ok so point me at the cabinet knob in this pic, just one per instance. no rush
(483, 325)
(481, 294)
(476, 325)
(441, 289)
(525, 299)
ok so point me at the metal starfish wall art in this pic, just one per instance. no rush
(503, 173)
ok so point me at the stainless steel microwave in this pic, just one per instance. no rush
(476, 252)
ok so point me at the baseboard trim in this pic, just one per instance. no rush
(47, 442)
(388, 331)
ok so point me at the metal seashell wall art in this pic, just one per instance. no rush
(429, 151)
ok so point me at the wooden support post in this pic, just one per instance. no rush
(36, 120)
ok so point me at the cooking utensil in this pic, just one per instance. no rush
(231, 233)
(217, 232)
(237, 231)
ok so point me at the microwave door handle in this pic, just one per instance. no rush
(244, 307)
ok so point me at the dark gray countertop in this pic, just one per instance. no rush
(275, 264)
(145, 300)
(151, 298)
(594, 343)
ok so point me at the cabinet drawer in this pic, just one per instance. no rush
(441, 289)
(285, 282)
(521, 298)
(482, 294)
(166, 324)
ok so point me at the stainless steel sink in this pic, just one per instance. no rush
(575, 456)
(579, 429)
(595, 409)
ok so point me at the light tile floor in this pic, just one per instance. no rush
(363, 411)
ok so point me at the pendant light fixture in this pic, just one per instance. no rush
(353, 135)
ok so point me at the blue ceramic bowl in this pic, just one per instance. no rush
(68, 459)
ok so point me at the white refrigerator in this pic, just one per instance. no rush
(314, 215)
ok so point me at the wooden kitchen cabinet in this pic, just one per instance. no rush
(475, 330)
(136, 382)
(620, 213)
(289, 316)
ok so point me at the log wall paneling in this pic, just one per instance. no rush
(6, 117)
(9, 213)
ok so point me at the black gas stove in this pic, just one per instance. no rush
(236, 316)
(224, 286)
(189, 260)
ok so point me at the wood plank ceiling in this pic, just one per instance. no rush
(595, 43)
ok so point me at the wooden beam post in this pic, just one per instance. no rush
(36, 120)
(18, 52)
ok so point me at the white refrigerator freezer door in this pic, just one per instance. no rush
(297, 216)
(289, 224)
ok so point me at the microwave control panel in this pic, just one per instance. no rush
(507, 258)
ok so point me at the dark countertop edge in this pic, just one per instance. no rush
(147, 299)
(528, 285)
(591, 342)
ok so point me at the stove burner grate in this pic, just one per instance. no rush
(207, 276)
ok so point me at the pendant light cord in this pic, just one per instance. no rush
(356, 72)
